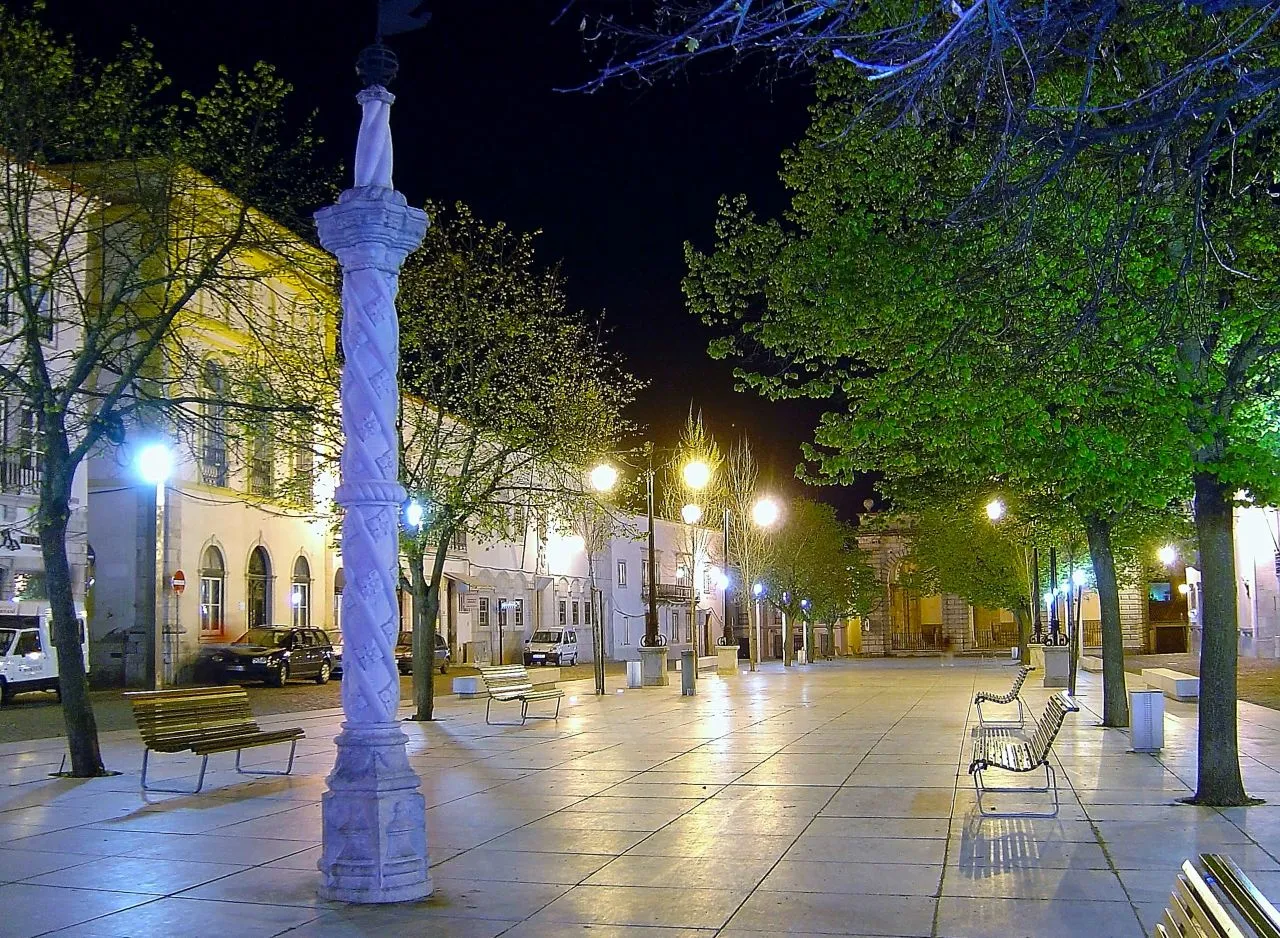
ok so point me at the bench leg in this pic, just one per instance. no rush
(525, 715)
(293, 748)
(1051, 784)
(1020, 721)
(501, 723)
(204, 764)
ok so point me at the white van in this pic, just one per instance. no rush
(28, 661)
(552, 646)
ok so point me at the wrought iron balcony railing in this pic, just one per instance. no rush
(672, 593)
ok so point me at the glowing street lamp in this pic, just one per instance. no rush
(691, 514)
(765, 512)
(154, 463)
(603, 477)
(696, 474)
(995, 509)
(1167, 555)
(414, 514)
(1077, 577)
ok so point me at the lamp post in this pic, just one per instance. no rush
(374, 841)
(154, 465)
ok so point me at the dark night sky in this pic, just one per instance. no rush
(617, 181)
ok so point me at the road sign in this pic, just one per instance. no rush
(179, 582)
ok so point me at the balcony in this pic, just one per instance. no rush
(20, 471)
(670, 593)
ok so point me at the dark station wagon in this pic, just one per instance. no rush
(273, 654)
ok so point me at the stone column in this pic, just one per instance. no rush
(374, 820)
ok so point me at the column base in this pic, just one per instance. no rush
(373, 821)
(653, 666)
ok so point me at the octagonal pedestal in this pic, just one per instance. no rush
(653, 666)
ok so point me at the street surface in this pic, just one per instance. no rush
(827, 800)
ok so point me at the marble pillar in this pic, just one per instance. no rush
(374, 820)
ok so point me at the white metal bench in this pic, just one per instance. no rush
(510, 683)
(1003, 748)
(1013, 696)
(1171, 683)
(1212, 898)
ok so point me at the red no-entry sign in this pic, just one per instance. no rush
(179, 582)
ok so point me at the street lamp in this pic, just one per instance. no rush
(414, 514)
(1167, 555)
(765, 512)
(995, 509)
(154, 464)
(691, 514)
(603, 477)
(696, 474)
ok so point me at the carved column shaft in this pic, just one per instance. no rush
(375, 847)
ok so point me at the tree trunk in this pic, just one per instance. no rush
(787, 627)
(1022, 616)
(1218, 782)
(753, 653)
(1115, 701)
(426, 608)
(73, 683)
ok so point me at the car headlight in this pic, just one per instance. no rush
(259, 661)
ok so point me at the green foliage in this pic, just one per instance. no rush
(814, 556)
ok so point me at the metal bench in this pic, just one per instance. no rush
(1212, 898)
(202, 720)
(1014, 696)
(1003, 748)
(509, 683)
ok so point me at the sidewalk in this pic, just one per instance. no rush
(831, 800)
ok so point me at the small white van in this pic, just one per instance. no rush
(28, 661)
(552, 646)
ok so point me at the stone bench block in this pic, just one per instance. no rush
(1091, 663)
(468, 687)
(1173, 684)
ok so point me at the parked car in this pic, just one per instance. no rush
(336, 660)
(404, 653)
(274, 654)
(552, 646)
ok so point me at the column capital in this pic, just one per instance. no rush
(371, 226)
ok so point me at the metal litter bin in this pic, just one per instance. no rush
(1146, 720)
(688, 673)
(635, 671)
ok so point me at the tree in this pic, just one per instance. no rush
(748, 546)
(124, 207)
(509, 399)
(813, 568)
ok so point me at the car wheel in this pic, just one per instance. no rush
(325, 672)
(282, 675)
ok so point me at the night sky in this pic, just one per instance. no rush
(616, 180)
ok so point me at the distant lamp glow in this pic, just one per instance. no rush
(1077, 577)
(1048, 599)
(691, 514)
(758, 589)
(804, 604)
(154, 463)
(682, 571)
(413, 514)
(1167, 555)
(722, 580)
(764, 512)
(995, 509)
(696, 474)
(575, 544)
(604, 477)
(1184, 589)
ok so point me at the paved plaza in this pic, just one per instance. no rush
(828, 800)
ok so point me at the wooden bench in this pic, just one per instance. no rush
(1013, 696)
(1003, 748)
(509, 683)
(202, 720)
(1212, 898)
(1172, 683)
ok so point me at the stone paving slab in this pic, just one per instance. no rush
(827, 800)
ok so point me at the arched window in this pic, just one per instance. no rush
(300, 596)
(339, 584)
(213, 583)
(259, 591)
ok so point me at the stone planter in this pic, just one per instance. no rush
(1057, 664)
(653, 666)
(727, 659)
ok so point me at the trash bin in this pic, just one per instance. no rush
(634, 674)
(1146, 720)
(688, 673)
